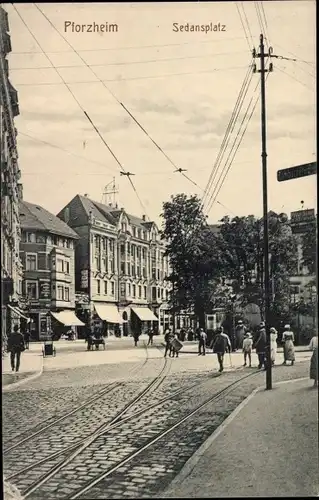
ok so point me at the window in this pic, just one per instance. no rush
(139, 292)
(69, 243)
(55, 240)
(24, 237)
(134, 232)
(167, 296)
(32, 289)
(124, 227)
(138, 252)
(42, 261)
(145, 292)
(139, 234)
(105, 287)
(162, 293)
(67, 294)
(31, 262)
(154, 274)
(31, 237)
(67, 267)
(129, 289)
(111, 266)
(40, 238)
(144, 272)
(112, 288)
(144, 253)
(154, 294)
(59, 265)
(104, 265)
(60, 294)
(104, 243)
(158, 293)
(111, 244)
(138, 271)
(98, 287)
(97, 263)
(134, 291)
(123, 267)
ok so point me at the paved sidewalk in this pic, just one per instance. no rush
(268, 448)
(31, 362)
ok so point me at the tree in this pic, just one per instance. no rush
(241, 243)
(193, 264)
(309, 249)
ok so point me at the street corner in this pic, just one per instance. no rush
(10, 492)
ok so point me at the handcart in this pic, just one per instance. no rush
(48, 348)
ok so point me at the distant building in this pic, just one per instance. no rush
(11, 189)
(47, 254)
(302, 221)
(120, 268)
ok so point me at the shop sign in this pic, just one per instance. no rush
(303, 216)
(45, 291)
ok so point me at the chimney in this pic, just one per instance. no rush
(144, 217)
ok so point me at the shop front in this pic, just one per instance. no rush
(142, 320)
(63, 321)
(107, 319)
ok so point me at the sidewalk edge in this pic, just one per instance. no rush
(37, 374)
(191, 463)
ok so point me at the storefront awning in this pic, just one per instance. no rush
(108, 312)
(67, 318)
(144, 313)
(17, 311)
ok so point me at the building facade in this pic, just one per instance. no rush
(11, 190)
(120, 268)
(47, 254)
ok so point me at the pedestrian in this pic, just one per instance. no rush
(15, 347)
(183, 335)
(260, 346)
(150, 336)
(273, 344)
(313, 346)
(202, 342)
(220, 345)
(26, 336)
(169, 336)
(136, 336)
(240, 331)
(289, 348)
(247, 348)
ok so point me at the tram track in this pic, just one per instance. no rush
(88, 402)
(117, 426)
(104, 427)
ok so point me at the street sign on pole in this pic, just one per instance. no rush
(295, 172)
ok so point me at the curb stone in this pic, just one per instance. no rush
(35, 375)
(194, 459)
(11, 492)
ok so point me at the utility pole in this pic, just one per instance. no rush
(261, 55)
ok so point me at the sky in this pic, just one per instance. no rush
(180, 86)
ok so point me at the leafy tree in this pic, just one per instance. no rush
(193, 265)
(309, 249)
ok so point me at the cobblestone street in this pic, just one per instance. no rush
(64, 427)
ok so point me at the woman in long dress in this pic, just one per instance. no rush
(289, 348)
(313, 346)
(273, 344)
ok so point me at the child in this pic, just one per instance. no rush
(247, 347)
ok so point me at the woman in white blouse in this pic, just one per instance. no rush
(273, 344)
(313, 346)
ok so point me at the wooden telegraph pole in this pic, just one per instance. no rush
(261, 55)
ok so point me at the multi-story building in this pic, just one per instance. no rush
(47, 254)
(11, 189)
(120, 267)
(302, 283)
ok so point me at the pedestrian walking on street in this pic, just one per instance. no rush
(289, 348)
(240, 331)
(173, 352)
(202, 342)
(26, 336)
(220, 345)
(136, 336)
(150, 336)
(247, 348)
(273, 344)
(169, 336)
(15, 347)
(260, 346)
(313, 346)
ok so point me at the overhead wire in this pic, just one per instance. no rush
(247, 24)
(232, 121)
(227, 168)
(119, 102)
(81, 107)
(126, 63)
(66, 151)
(294, 78)
(243, 25)
(121, 79)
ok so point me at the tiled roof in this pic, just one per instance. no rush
(37, 218)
